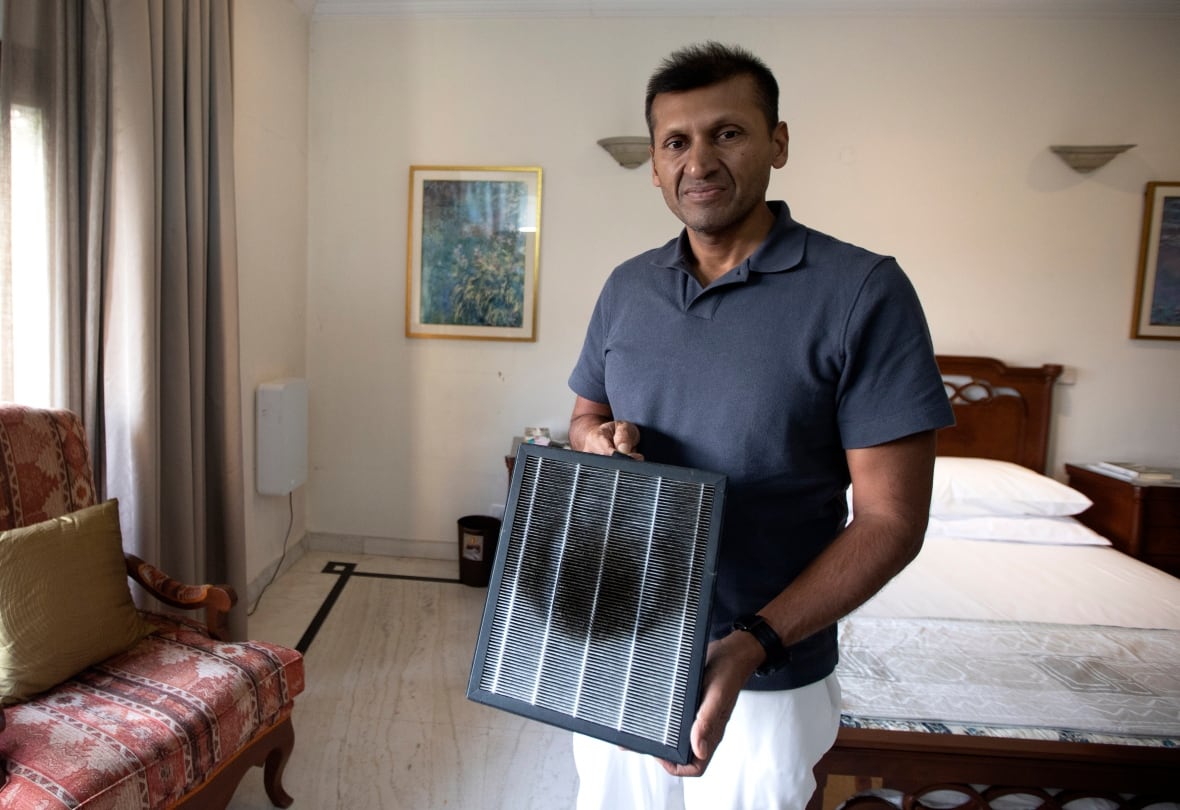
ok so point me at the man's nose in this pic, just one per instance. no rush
(702, 158)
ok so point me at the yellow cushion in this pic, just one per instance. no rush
(64, 600)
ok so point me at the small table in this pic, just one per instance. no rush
(517, 441)
(1140, 519)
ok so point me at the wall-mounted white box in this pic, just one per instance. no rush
(281, 430)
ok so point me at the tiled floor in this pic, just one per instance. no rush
(384, 723)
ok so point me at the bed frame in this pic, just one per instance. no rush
(1005, 413)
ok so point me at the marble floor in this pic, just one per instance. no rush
(384, 723)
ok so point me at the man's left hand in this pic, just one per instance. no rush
(729, 663)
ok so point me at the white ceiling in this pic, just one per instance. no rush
(713, 8)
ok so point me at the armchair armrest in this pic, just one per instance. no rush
(215, 599)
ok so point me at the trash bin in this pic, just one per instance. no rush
(477, 548)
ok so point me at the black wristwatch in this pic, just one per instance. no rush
(776, 654)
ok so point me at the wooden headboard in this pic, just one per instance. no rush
(1001, 411)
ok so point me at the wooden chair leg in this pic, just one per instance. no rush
(276, 763)
(269, 751)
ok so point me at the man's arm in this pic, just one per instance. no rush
(891, 503)
(593, 429)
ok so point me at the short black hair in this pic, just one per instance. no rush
(709, 63)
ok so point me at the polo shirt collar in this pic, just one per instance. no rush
(781, 251)
(784, 247)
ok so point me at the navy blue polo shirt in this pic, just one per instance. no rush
(809, 347)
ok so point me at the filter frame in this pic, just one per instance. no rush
(692, 630)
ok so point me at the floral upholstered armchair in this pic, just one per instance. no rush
(103, 706)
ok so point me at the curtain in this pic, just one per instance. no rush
(53, 78)
(141, 193)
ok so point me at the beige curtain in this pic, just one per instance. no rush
(55, 69)
(142, 200)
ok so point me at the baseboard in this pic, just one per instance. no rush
(382, 546)
(349, 544)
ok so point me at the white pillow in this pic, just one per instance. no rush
(1057, 531)
(983, 486)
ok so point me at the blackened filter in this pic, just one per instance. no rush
(595, 609)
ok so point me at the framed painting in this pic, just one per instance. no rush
(474, 247)
(1157, 290)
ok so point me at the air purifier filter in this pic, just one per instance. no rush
(597, 612)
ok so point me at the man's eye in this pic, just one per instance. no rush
(675, 143)
(727, 135)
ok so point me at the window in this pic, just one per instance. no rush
(26, 326)
(26, 335)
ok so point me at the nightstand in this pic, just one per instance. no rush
(1142, 520)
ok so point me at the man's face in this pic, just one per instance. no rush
(712, 154)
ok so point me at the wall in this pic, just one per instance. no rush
(270, 148)
(924, 137)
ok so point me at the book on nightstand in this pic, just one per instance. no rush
(1139, 473)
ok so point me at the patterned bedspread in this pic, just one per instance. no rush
(1012, 679)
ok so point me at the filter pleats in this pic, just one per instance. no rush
(594, 611)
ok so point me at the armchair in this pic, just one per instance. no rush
(174, 720)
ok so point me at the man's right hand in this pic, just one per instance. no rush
(593, 429)
(613, 437)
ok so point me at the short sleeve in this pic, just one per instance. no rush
(588, 378)
(891, 386)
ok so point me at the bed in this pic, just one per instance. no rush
(1019, 655)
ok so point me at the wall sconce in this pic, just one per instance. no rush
(1086, 159)
(629, 150)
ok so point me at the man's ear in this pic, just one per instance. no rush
(655, 177)
(781, 138)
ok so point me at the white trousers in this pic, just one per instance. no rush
(764, 761)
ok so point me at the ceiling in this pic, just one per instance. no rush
(714, 8)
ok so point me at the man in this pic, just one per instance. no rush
(793, 363)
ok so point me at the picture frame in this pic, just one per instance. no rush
(1157, 287)
(473, 252)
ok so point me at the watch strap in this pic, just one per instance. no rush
(760, 629)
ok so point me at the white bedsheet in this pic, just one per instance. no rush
(1025, 679)
(1071, 584)
(986, 580)
(950, 596)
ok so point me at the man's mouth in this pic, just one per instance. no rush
(702, 193)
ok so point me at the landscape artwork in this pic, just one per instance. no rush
(473, 253)
(1165, 294)
(1157, 294)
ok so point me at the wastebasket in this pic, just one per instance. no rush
(477, 548)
